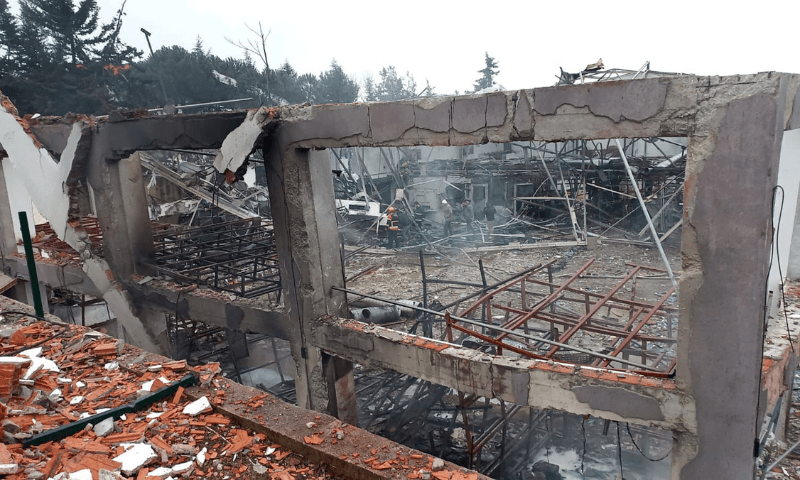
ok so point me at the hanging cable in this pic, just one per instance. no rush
(776, 242)
(628, 426)
(775, 249)
(619, 452)
(583, 430)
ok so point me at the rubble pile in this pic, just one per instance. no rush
(58, 378)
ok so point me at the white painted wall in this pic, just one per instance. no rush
(787, 237)
(19, 201)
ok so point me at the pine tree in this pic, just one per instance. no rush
(76, 34)
(308, 83)
(393, 87)
(335, 86)
(33, 52)
(370, 89)
(286, 84)
(9, 39)
(489, 73)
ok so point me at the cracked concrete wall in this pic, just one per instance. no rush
(47, 181)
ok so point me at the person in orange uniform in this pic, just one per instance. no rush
(392, 228)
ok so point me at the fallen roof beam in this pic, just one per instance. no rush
(212, 199)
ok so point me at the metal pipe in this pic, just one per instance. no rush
(511, 332)
(646, 215)
(406, 307)
(377, 315)
(768, 470)
(26, 241)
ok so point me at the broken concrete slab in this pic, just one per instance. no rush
(136, 456)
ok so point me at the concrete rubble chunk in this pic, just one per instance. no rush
(160, 472)
(104, 428)
(84, 474)
(14, 361)
(55, 395)
(148, 386)
(201, 405)
(183, 449)
(38, 363)
(201, 457)
(136, 456)
(10, 426)
(438, 464)
(183, 468)
(76, 400)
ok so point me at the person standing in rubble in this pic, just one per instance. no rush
(468, 213)
(392, 228)
(447, 210)
(489, 212)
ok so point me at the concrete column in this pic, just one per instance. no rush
(730, 174)
(303, 211)
(121, 203)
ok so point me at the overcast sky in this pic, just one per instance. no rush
(445, 41)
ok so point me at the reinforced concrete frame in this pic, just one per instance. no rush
(735, 126)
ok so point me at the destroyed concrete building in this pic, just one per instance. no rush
(711, 372)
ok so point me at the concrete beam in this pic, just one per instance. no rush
(116, 140)
(618, 396)
(667, 106)
(70, 278)
(211, 307)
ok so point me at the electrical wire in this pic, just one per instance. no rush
(619, 452)
(549, 440)
(583, 430)
(31, 315)
(778, 257)
(628, 427)
(775, 250)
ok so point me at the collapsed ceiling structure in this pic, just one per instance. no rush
(276, 282)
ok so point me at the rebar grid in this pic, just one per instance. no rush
(237, 257)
